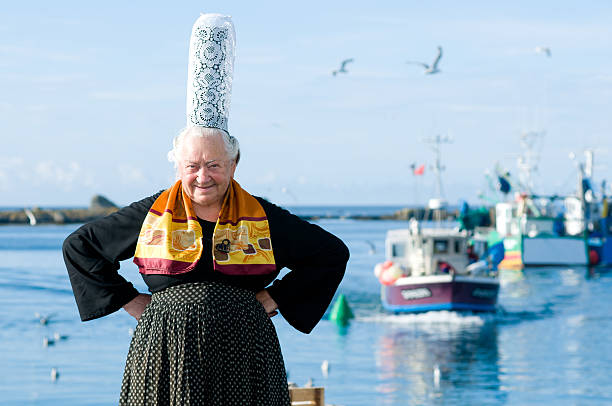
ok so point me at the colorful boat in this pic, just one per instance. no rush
(437, 268)
(548, 230)
(537, 233)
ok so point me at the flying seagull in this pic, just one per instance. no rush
(543, 50)
(429, 70)
(342, 67)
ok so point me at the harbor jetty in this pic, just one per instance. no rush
(101, 206)
(419, 213)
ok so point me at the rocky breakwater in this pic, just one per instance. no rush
(419, 213)
(98, 207)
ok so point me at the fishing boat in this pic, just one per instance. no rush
(536, 234)
(438, 265)
(437, 268)
(548, 230)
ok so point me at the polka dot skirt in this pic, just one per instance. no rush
(204, 344)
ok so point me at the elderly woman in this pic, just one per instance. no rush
(210, 254)
(205, 337)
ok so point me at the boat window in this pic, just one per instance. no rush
(440, 246)
(457, 246)
(398, 250)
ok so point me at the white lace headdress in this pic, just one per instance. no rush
(211, 66)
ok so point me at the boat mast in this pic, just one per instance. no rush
(438, 168)
(528, 161)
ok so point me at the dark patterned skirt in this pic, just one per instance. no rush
(204, 344)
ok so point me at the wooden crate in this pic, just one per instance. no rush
(307, 396)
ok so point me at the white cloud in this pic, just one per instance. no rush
(4, 180)
(22, 52)
(130, 174)
(8, 163)
(136, 95)
(37, 108)
(65, 175)
(267, 178)
(476, 108)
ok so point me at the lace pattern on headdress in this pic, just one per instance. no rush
(211, 65)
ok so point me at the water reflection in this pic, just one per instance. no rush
(453, 362)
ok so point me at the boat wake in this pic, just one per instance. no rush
(433, 317)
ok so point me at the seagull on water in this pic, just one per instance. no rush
(325, 368)
(42, 319)
(48, 341)
(372, 247)
(544, 50)
(433, 68)
(343, 67)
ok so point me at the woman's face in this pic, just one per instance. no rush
(205, 170)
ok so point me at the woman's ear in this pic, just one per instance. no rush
(233, 168)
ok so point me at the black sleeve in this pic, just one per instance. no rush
(317, 260)
(92, 254)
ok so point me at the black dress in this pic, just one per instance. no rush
(205, 339)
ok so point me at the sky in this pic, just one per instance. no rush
(91, 95)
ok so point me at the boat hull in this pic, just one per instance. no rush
(523, 251)
(441, 292)
(555, 251)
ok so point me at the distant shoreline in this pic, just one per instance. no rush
(38, 216)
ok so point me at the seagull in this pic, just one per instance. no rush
(47, 342)
(372, 247)
(429, 70)
(54, 374)
(325, 368)
(436, 376)
(43, 319)
(31, 216)
(544, 50)
(287, 191)
(342, 67)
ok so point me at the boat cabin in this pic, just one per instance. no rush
(535, 216)
(428, 251)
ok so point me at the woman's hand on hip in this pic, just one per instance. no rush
(136, 306)
(267, 302)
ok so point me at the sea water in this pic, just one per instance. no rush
(549, 343)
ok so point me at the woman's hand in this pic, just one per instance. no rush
(136, 306)
(267, 302)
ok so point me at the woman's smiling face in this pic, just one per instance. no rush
(205, 170)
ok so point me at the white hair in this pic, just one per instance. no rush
(232, 147)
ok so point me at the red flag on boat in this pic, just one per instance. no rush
(420, 170)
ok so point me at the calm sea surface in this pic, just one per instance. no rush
(550, 343)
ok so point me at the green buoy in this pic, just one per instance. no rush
(341, 312)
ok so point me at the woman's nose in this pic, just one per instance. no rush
(202, 172)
